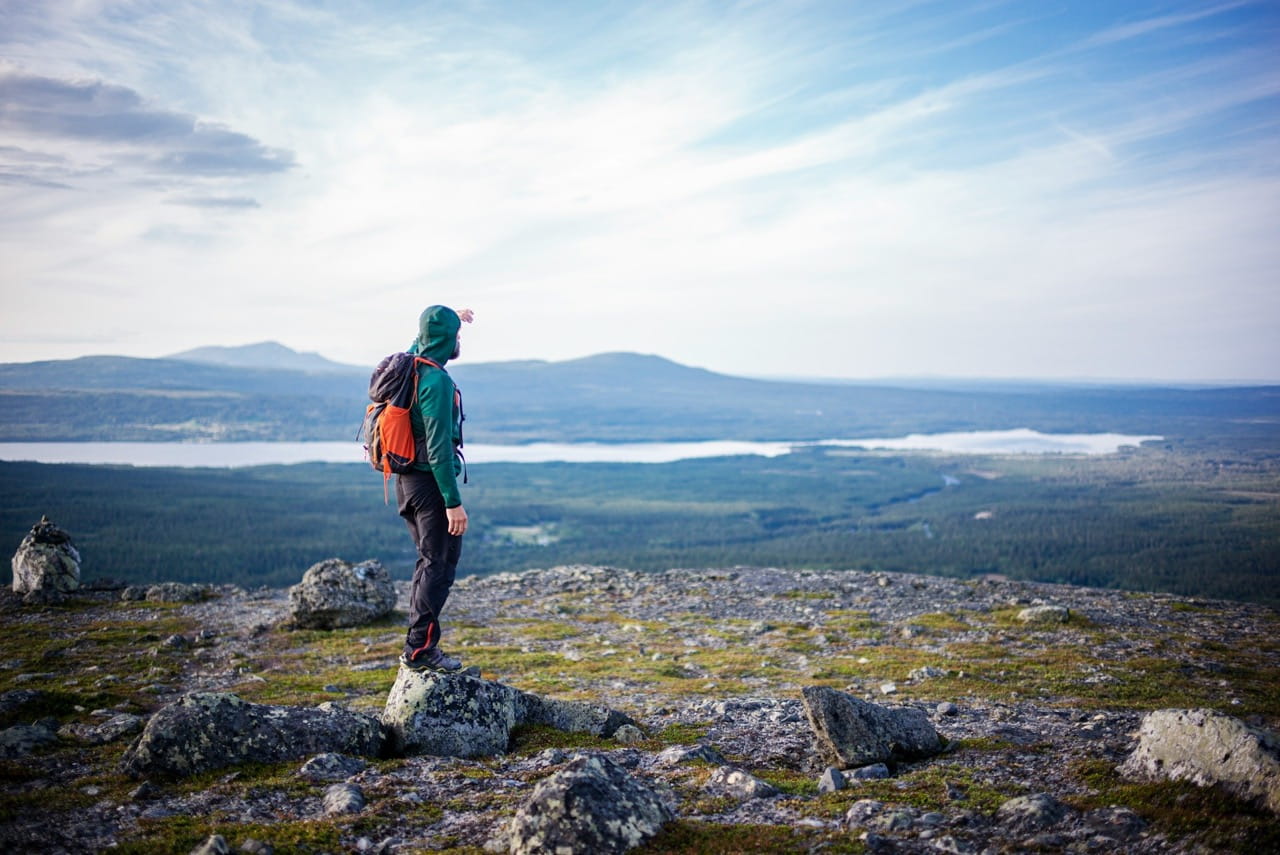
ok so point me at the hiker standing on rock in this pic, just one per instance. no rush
(428, 496)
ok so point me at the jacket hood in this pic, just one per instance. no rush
(437, 333)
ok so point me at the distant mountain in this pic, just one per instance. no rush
(269, 392)
(266, 354)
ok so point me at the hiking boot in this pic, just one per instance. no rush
(433, 659)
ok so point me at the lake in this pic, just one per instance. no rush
(236, 454)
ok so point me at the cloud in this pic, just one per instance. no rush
(216, 202)
(95, 122)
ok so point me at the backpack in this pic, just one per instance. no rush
(387, 429)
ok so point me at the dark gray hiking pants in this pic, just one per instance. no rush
(422, 507)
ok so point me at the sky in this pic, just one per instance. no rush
(1024, 189)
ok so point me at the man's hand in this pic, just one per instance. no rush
(457, 518)
(466, 315)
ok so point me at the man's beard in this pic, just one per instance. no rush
(457, 350)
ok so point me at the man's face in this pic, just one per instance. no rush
(457, 347)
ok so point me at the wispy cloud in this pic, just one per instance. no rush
(112, 124)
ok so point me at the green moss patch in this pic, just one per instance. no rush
(1207, 818)
(692, 837)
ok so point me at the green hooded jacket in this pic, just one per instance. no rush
(437, 420)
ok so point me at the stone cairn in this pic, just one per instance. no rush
(46, 565)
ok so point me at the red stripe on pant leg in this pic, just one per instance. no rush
(426, 644)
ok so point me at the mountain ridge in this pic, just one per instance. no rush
(609, 397)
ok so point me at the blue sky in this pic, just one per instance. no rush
(844, 189)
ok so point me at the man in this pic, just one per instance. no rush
(428, 496)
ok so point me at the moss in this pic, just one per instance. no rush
(941, 622)
(789, 781)
(1207, 817)
(184, 833)
(532, 738)
(683, 734)
(691, 837)
(802, 594)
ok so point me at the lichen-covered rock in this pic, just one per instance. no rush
(1208, 748)
(46, 560)
(450, 715)
(343, 798)
(678, 755)
(100, 734)
(215, 844)
(22, 739)
(572, 716)
(334, 594)
(1045, 615)
(331, 767)
(737, 784)
(174, 592)
(1031, 813)
(852, 732)
(205, 731)
(592, 805)
(462, 715)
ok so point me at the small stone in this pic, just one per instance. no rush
(1030, 813)
(888, 688)
(861, 812)
(175, 592)
(342, 799)
(144, 791)
(928, 672)
(832, 780)
(739, 784)
(215, 845)
(250, 846)
(874, 772)
(628, 734)
(948, 708)
(331, 767)
(679, 754)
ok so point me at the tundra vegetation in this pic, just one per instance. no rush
(1042, 707)
(1197, 523)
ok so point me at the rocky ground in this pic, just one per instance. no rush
(1037, 714)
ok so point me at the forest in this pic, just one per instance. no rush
(1159, 518)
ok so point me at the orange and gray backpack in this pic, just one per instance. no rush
(387, 429)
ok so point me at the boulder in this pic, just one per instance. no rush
(462, 715)
(1208, 748)
(852, 732)
(210, 730)
(450, 715)
(592, 805)
(46, 561)
(334, 593)
(1046, 615)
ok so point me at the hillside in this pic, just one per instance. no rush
(709, 664)
(608, 397)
